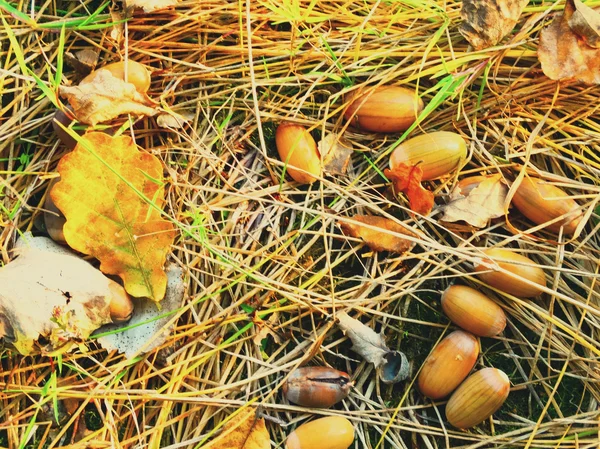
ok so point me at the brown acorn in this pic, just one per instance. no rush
(137, 74)
(473, 311)
(317, 386)
(437, 153)
(385, 109)
(478, 398)
(542, 202)
(332, 432)
(121, 307)
(522, 267)
(448, 364)
(298, 150)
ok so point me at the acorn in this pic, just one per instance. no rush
(473, 311)
(522, 267)
(121, 306)
(317, 386)
(332, 432)
(62, 118)
(448, 364)
(137, 74)
(542, 202)
(437, 153)
(385, 109)
(298, 150)
(478, 398)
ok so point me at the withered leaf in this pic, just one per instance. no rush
(407, 179)
(564, 54)
(478, 205)
(486, 22)
(392, 366)
(145, 331)
(106, 184)
(379, 240)
(336, 153)
(244, 431)
(48, 290)
(105, 97)
(585, 22)
(151, 5)
(365, 341)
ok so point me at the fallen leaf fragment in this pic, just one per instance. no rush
(564, 51)
(266, 328)
(244, 431)
(378, 240)
(173, 120)
(151, 5)
(105, 97)
(336, 153)
(479, 205)
(585, 22)
(146, 329)
(49, 291)
(105, 187)
(407, 179)
(392, 365)
(486, 22)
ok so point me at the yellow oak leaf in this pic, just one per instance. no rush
(151, 5)
(111, 195)
(244, 431)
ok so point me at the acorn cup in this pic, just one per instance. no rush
(473, 311)
(298, 150)
(332, 432)
(448, 364)
(542, 202)
(317, 386)
(385, 109)
(521, 266)
(477, 398)
(437, 153)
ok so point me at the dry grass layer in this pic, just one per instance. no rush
(251, 241)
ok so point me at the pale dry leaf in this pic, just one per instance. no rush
(585, 22)
(244, 431)
(49, 291)
(172, 120)
(151, 5)
(365, 341)
(392, 366)
(379, 240)
(265, 328)
(486, 22)
(564, 55)
(336, 153)
(146, 329)
(479, 205)
(105, 97)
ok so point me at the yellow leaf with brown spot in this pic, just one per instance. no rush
(243, 431)
(111, 194)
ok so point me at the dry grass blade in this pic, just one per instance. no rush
(254, 244)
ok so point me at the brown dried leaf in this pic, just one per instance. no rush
(365, 341)
(105, 97)
(563, 54)
(377, 240)
(407, 179)
(486, 22)
(244, 431)
(585, 22)
(484, 202)
(48, 290)
(336, 153)
(151, 5)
